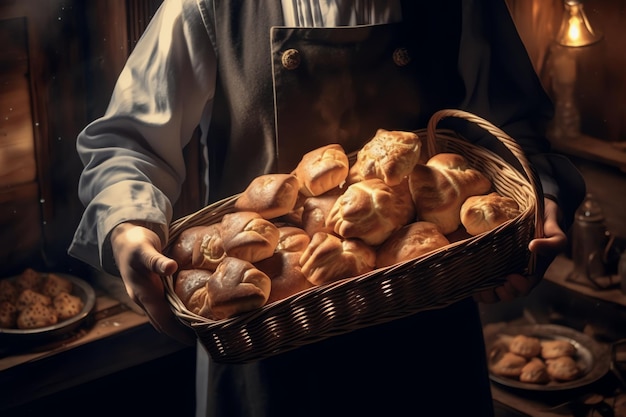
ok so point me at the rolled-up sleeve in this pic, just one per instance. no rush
(133, 155)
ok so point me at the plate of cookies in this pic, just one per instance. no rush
(40, 306)
(545, 357)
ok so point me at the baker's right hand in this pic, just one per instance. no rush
(137, 254)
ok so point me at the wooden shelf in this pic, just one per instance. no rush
(584, 146)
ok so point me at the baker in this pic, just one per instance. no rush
(266, 82)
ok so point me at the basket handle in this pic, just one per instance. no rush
(509, 142)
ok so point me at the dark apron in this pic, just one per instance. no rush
(338, 86)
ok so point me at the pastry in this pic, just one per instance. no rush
(248, 236)
(371, 211)
(29, 297)
(29, 279)
(54, 284)
(35, 316)
(409, 242)
(526, 346)
(322, 169)
(551, 349)
(440, 187)
(535, 372)
(190, 287)
(509, 365)
(236, 287)
(329, 258)
(389, 155)
(270, 195)
(315, 212)
(563, 368)
(483, 213)
(67, 305)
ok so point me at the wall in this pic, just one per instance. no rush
(601, 91)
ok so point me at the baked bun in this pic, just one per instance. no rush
(526, 346)
(236, 287)
(371, 210)
(535, 372)
(198, 247)
(270, 195)
(315, 212)
(322, 169)
(190, 287)
(248, 236)
(409, 242)
(552, 349)
(563, 368)
(285, 274)
(390, 155)
(329, 258)
(509, 364)
(292, 239)
(440, 187)
(483, 213)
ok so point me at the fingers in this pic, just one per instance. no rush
(141, 264)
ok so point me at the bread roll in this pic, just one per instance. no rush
(535, 372)
(409, 242)
(190, 287)
(329, 258)
(208, 251)
(285, 274)
(371, 210)
(389, 155)
(198, 247)
(439, 188)
(322, 169)
(563, 368)
(248, 236)
(283, 267)
(270, 195)
(54, 284)
(315, 212)
(236, 287)
(526, 346)
(482, 213)
(509, 365)
(552, 349)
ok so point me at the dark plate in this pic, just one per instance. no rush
(43, 334)
(593, 358)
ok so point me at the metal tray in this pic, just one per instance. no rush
(81, 289)
(592, 357)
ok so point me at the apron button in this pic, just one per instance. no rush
(401, 57)
(291, 59)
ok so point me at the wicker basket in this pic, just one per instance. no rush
(435, 280)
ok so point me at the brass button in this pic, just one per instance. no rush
(291, 59)
(401, 57)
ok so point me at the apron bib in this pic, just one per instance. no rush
(339, 85)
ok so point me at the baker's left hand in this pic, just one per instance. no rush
(546, 248)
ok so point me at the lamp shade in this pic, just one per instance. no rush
(575, 29)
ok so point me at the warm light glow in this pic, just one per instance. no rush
(575, 28)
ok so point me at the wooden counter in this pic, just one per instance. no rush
(117, 339)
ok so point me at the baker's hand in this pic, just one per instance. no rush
(546, 249)
(137, 254)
